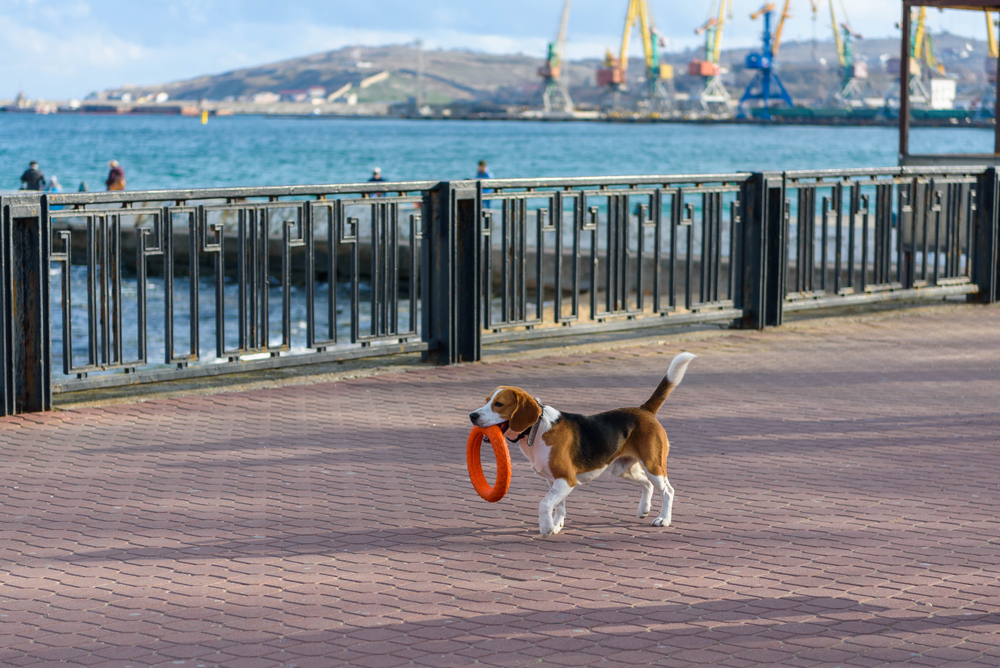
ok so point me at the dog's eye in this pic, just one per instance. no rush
(497, 404)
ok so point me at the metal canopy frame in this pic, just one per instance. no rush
(905, 157)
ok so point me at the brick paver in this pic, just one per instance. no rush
(837, 505)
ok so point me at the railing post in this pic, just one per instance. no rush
(765, 250)
(452, 289)
(26, 385)
(986, 252)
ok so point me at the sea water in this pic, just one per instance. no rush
(160, 152)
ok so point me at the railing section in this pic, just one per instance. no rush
(861, 236)
(166, 285)
(560, 257)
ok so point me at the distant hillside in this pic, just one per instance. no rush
(808, 70)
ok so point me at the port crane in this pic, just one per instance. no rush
(713, 96)
(658, 76)
(851, 72)
(554, 83)
(765, 85)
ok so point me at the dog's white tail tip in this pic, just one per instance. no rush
(675, 374)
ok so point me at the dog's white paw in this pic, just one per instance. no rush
(661, 522)
(548, 531)
(642, 512)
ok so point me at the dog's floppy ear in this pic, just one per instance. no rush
(527, 412)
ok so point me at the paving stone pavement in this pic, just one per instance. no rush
(837, 503)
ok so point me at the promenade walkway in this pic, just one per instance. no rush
(838, 504)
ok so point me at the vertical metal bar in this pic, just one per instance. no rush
(855, 206)
(731, 283)
(937, 233)
(579, 220)
(67, 300)
(263, 265)
(355, 280)
(557, 221)
(241, 277)
(706, 247)
(522, 262)
(688, 258)
(594, 259)
(486, 232)
(505, 287)
(864, 241)
(310, 241)
(286, 285)
(140, 284)
(717, 241)
(610, 287)
(838, 200)
(539, 253)
(116, 288)
(657, 250)
(105, 255)
(416, 244)
(676, 206)
(334, 229)
(640, 249)
(809, 239)
(929, 193)
(823, 240)
(373, 271)
(193, 269)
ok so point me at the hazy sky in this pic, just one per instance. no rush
(66, 48)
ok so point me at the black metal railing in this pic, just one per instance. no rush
(563, 256)
(870, 235)
(110, 289)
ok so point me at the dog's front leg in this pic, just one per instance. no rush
(557, 495)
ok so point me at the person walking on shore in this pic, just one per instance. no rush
(483, 173)
(33, 179)
(116, 176)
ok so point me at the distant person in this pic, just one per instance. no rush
(83, 187)
(116, 176)
(483, 173)
(54, 187)
(376, 178)
(33, 179)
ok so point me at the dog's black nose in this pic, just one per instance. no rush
(473, 417)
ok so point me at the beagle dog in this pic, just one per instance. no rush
(567, 449)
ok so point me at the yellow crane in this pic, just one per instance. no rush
(991, 36)
(923, 43)
(613, 74)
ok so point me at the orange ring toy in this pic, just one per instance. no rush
(499, 443)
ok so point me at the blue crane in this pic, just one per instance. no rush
(765, 85)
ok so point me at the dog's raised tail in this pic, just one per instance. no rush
(675, 374)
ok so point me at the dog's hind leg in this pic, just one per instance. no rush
(663, 486)
(630, 469)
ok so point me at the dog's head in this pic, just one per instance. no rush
(510, 407)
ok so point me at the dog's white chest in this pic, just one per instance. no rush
(538, 453)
